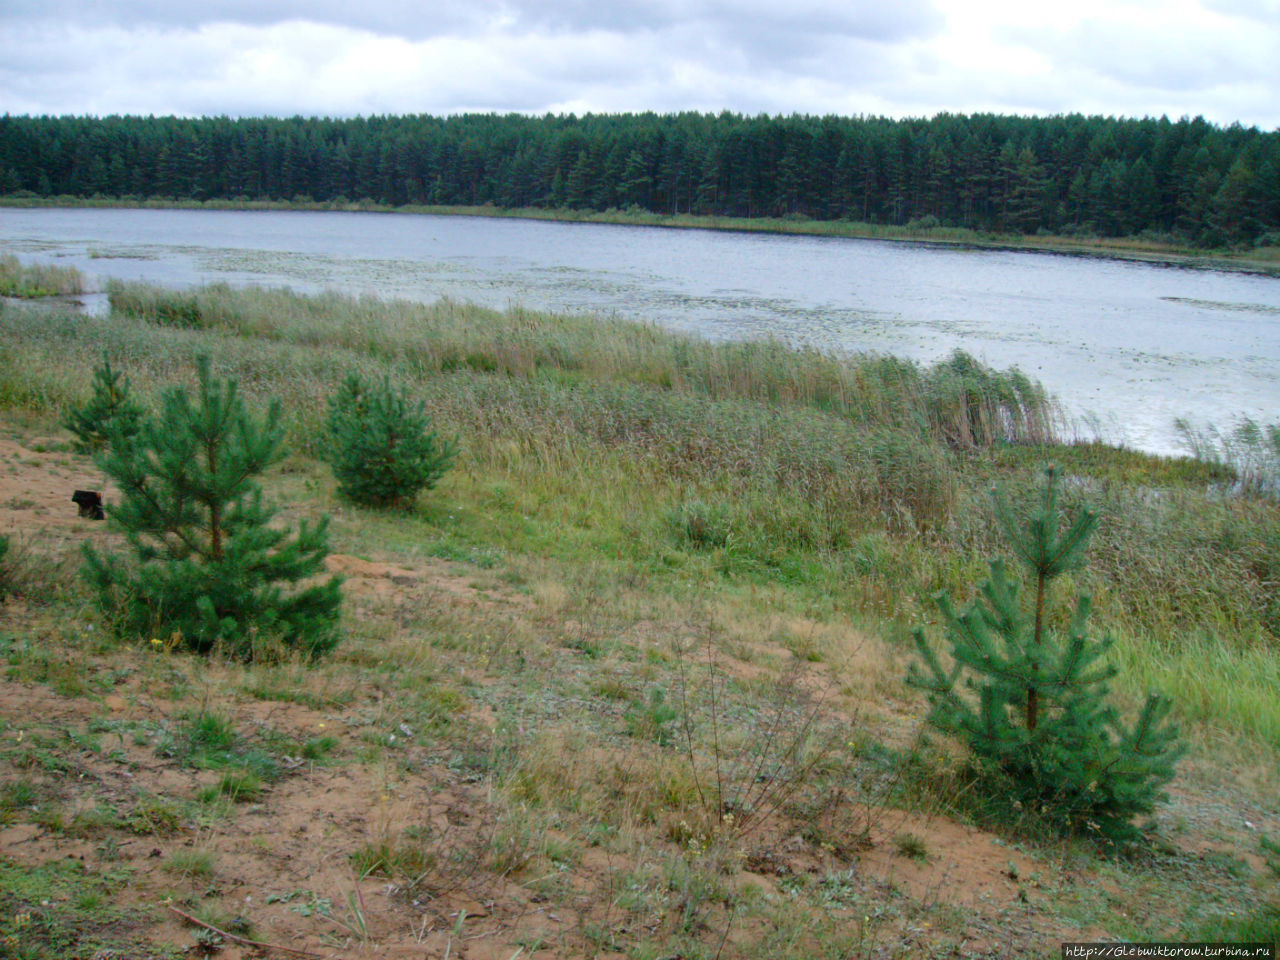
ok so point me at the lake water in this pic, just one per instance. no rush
(1127, 347)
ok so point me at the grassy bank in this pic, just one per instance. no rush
(856, 483)
(1146, 249)
(643, 531)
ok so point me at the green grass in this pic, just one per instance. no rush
(152, 814)
(911, 845)
(64, 910)
(238, 786)
(1231, 927)
(408, 859)
(16, 796)
(194, 864)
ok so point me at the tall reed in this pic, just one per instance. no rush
(958, 401)
(1250, 450)
(29, 281)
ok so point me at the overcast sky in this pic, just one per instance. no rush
(1216, 58)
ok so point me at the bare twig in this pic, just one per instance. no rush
(242, 940)
(715, 728)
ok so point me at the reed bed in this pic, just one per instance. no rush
(1250, 450)
(959, 400)
(29, 281)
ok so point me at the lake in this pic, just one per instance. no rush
(1127, 347)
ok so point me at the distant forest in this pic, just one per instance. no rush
(1188, 180)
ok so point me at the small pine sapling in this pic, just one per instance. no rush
(110, 411)
(4, 571)
(1041, 730)
(208, 564)
(383, 448)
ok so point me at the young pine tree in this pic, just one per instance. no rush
(111, 410)
(384, 451)
(1040, 728)
(208, 565)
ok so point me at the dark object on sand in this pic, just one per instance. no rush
(90, 504)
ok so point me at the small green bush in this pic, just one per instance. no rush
(1032, 707)
(111, 410)
(652, 719)
(384, 451)
(702, 526)
(209, 566)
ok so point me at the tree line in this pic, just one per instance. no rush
(1186, 180)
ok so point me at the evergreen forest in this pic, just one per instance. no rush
(1186, 180)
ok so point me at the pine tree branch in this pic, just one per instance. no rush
(243, 941)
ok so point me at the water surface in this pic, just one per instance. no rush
(1128, 347)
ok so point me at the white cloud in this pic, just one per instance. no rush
(1119, 57)
(1220, 58)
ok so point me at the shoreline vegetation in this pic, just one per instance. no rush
(777, 462)
(39, 280)
(1257, 260)
(630, 680)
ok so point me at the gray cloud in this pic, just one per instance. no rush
(392, 17)
(914, 57)
(868, 19)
